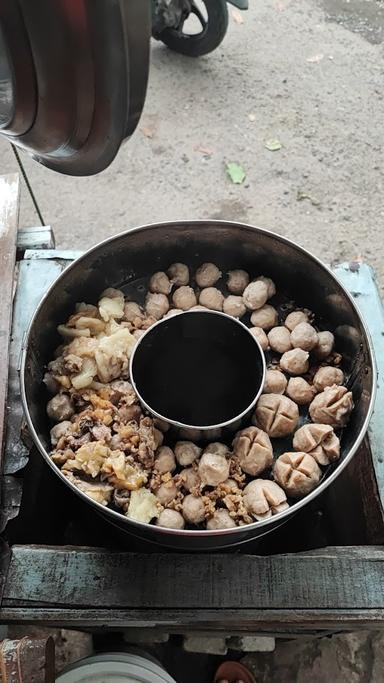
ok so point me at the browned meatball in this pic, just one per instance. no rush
(332, 406)
(277, 415)
(297, 473)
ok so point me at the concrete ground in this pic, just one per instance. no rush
(308, 73)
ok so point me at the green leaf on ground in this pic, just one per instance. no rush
(273, 144)
(304, 195)
(235, 172)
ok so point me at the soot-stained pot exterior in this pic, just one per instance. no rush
(127, 261)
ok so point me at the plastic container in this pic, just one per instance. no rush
(115, 667)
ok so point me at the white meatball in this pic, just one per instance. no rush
(132, 311)
(211, 298)
(264, 498)
(193, 509)
(297, 473)
(178, 274)
(261, 337)
(279, 339)
(332, 406)
(265, 317)
(166, 492)
(217, 448)
(170, 519)
(186, 452)
(213, 469)
(304, 336)
(295, 362)
(295, 318)
(158, 437)
(300, 391)
(160, 283)
(255, 295)
(221, 520)
(275, 382)
(234, 305)
(207, 275)
(270, 284)
(237, 281)
(327, 376)
(190, 478)
(325, 345)
(184, 297)
(165, 460)
(156, 305)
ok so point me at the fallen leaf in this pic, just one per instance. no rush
(236, 173)
(304, 195)
(273, 144)
(237, 17)
(252, 117)
(204, 150)
(148, 132)
(315, 59)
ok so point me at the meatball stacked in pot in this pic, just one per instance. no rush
(107, 447)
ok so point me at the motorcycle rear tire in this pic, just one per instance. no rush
(205, 42)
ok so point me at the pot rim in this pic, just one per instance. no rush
(204, 533)
(182, 425)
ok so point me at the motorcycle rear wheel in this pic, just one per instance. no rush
(214, 27)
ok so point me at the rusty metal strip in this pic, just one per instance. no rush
(9, 213)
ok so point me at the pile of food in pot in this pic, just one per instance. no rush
(106, 445)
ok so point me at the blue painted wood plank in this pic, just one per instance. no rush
(75, 577)
(360, 280)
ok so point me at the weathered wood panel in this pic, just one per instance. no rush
(9, 213)
(219, 620)
(41, 237)
(29, 660)
(78, 577)
(5, 556)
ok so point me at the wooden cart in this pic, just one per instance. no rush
(63, 565)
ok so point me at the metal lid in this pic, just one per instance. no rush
(73, 77)
(119, 667)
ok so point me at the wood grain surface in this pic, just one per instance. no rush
(77, 577)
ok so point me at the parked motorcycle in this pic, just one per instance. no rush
(174, 22)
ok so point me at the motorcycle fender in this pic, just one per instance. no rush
(241, 4)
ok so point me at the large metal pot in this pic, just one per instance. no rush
(126, 261)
